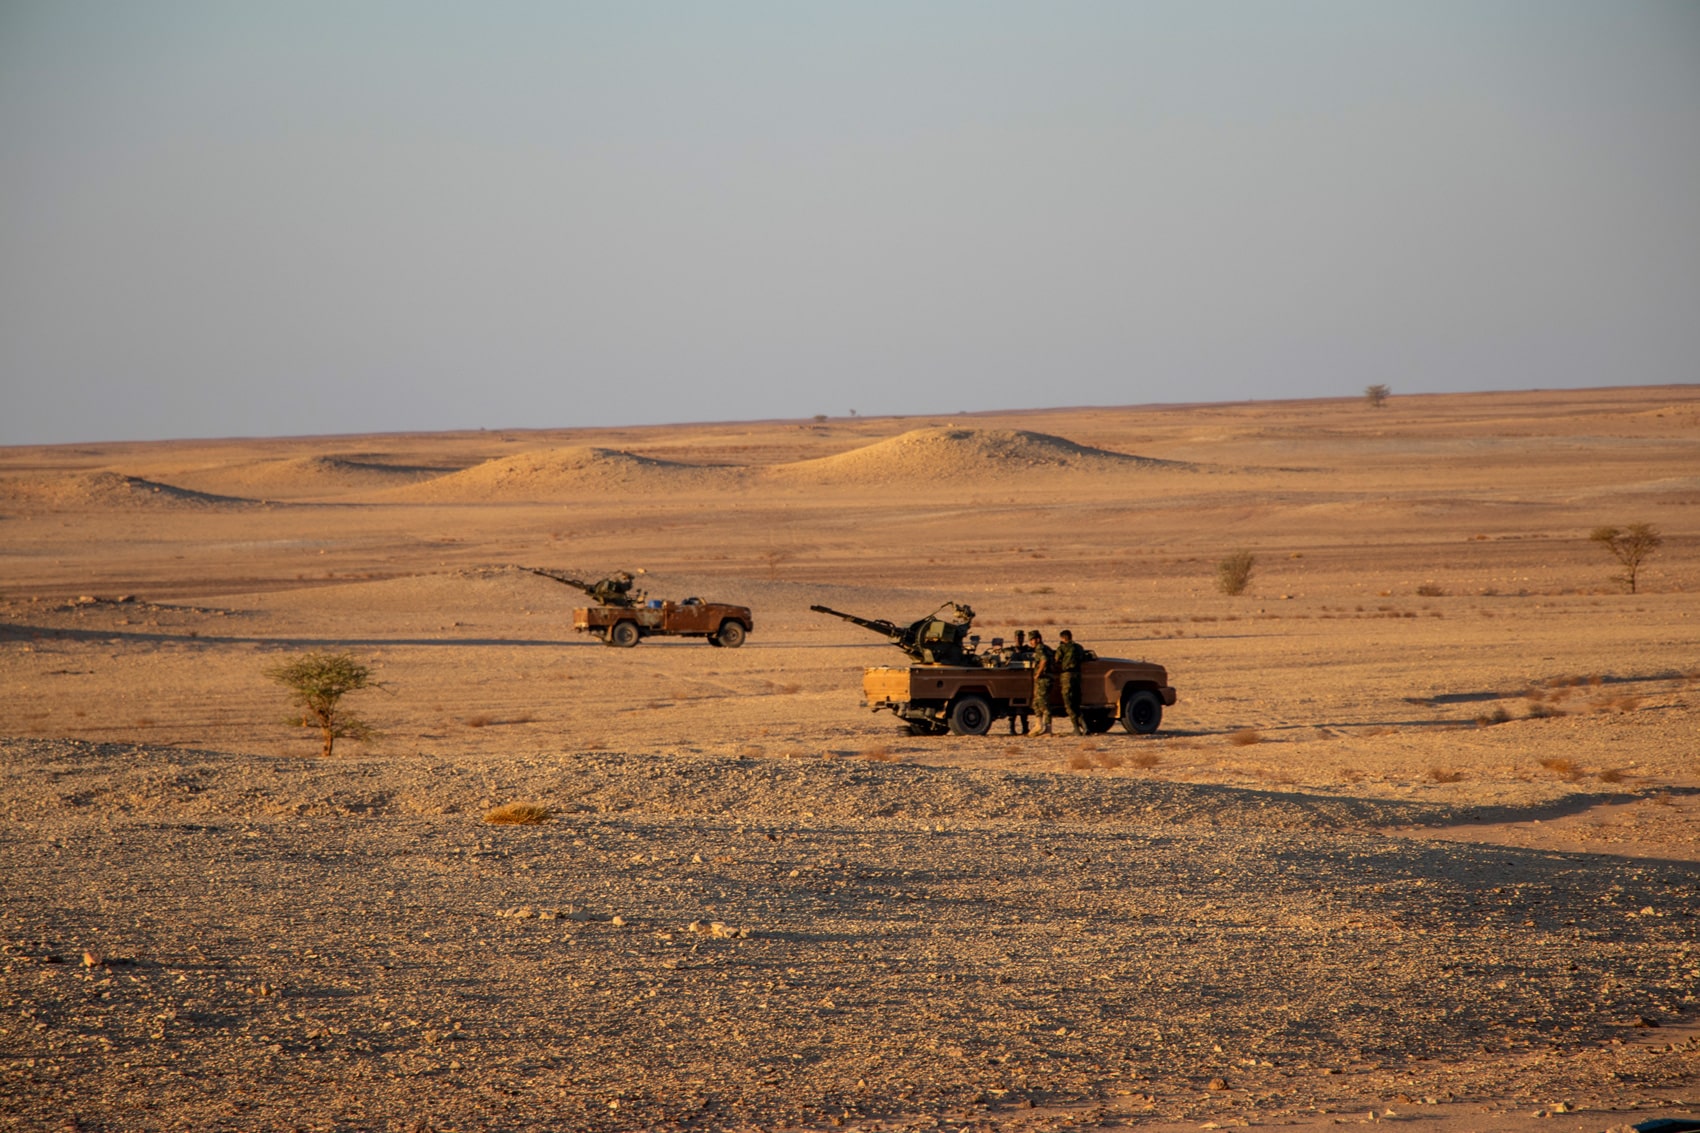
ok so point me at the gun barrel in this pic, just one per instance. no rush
(878, 625)
(567, 580)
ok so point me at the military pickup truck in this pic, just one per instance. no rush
(955, 686)
(723, 625)
(623, 616)
(965, 701)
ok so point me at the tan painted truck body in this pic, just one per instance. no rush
(720, 623)
(967, 699)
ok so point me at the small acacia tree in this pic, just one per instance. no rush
(1377, 395)
(1233, 574)
(317, 682)
(1629, 546)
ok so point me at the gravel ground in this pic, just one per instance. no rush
(204, 940)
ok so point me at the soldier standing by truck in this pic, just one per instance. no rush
(1068, 660)
(1044, 665)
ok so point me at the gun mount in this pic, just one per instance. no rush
(932, 640)
(614, 591)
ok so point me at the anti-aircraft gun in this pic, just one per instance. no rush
(622, 616)
(613, 591)
(955, 687)
(932, 640)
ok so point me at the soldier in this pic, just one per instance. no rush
(1068, 659)
(1044, 664)
(1018, 714)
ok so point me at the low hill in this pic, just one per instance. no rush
(112, 490)
(961, 453)
(556, 473)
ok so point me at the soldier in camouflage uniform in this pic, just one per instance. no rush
(1068, 659)
(1044, 665)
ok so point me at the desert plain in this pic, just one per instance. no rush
(1418, 845)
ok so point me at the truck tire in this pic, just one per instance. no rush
(1142, 713)
(731, 634)
(970, 715)
(623, 634)
(1098, 720)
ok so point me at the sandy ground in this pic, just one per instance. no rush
(1417, 845)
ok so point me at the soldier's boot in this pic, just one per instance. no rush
(1044, 724)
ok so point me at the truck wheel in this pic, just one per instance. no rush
(623, 634)
(731, 634)
(1142, 712)
(970, 715)
(1098, 720)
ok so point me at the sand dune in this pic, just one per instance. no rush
(102, 490)
(556, 473)
(960, 453)
(318, 475)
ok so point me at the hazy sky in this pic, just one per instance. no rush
(225, 219)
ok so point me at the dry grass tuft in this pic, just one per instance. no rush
(486, 719)
(1079, 761)
(1563, 768)
(1431, 590)
(878, 754)
(1107, 760)
(1145, 760)
(1613, 775)
(1445, 775)
(1497, 715)
(1245, 737)
(1540, 711)
(518, 814)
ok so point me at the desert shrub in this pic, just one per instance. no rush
(1496, 715)
(1630, 547)
(1376, 395)
(1613, 775)
(1444, 775)
(518, 814)
(1145, 760)
(1540, 710)
(1564, 768)
(317, 682)
(1233, 574)
(1245, 737)
(1431, 590)
(1079, 761)
(878, 754)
